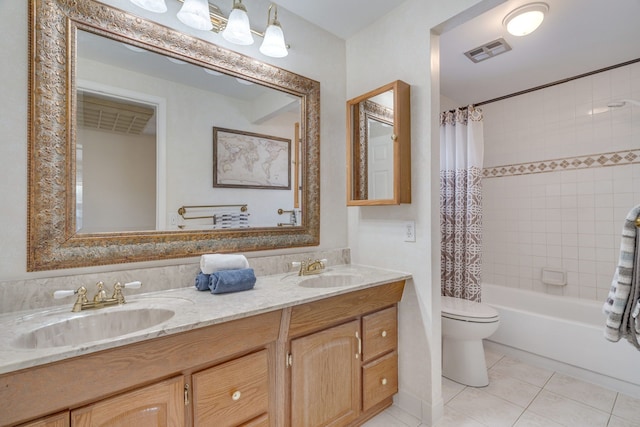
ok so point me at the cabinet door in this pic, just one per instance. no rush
(157, 405)
(232, 393)
(325, 377)
(59, 420)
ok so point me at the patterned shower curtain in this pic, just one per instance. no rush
(461, 153)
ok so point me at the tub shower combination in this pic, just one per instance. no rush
(563, 333)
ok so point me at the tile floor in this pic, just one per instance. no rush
(522, 395)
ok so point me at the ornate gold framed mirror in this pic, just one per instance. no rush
(61, 90)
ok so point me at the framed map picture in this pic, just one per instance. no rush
(250, 160)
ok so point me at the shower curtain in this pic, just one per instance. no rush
(461, 153)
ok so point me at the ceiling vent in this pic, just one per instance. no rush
(109, 114)
(488, 50)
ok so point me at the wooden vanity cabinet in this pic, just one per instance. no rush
(343, 363)
(330, 362)
(151, 383)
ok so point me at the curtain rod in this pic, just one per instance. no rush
(522, 92)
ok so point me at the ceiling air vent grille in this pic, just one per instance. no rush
(488, 50)
(112, 115)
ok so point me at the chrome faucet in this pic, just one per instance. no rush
(311, 267)
(100, 299)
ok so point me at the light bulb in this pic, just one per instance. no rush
(238, 30)
(195, 13)
(273, 44)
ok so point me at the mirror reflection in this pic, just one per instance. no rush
(376, 138)
(150, 154)
(379, 146)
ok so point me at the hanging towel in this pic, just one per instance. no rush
(202, 281)
(624, 291)
(210, 263)
(231, 220)
(232, 281)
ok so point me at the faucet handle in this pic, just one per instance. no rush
(117, 290)
(64, 293)
(133, 285)
(82, 296)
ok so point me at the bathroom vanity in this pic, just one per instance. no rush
(294, 351)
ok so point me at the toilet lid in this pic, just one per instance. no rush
(470, 311)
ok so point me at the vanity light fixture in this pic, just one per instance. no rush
(238, 30)
(525, 19)
(202, 15)
(273, 43)
(195, 13)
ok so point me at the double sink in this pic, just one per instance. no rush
(61, 328)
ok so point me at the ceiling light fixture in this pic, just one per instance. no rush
(202, 15)
(525, 19)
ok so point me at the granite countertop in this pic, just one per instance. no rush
(193, 309)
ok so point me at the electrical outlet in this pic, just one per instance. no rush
(410, 231)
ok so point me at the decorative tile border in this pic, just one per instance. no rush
(567, 163)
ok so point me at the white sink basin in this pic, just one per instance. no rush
(331, 281)
(89, 326)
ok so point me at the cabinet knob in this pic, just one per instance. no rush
(384, 334)
(236, 395)
(383, 381)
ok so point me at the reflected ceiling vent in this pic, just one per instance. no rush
(488, 50)
(112, 115)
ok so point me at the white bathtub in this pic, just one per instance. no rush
(565, 334)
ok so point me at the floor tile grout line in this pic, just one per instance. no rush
(533, 400)
(610, 412)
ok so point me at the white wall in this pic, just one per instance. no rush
(567, 212)
(398, 47)
(111, 163)
(314, 53)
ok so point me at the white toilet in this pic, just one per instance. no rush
(464, 325)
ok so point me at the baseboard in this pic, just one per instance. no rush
(564, 368)
(426, 412)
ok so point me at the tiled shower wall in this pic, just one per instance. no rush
(562, 170)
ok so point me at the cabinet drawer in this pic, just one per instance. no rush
(232, 393)
(261, 421)
(380, 333)
(379, 380)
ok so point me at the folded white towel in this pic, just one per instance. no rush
(210, 263)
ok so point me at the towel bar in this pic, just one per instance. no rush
(183, 210)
